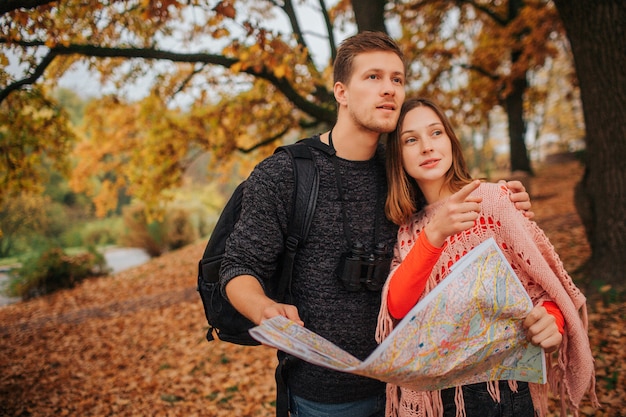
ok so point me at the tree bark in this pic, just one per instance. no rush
(370, 15)
(514, 104)
(597, 34)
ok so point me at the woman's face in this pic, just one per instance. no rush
(426, 149)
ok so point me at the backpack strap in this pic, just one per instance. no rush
(305, 191)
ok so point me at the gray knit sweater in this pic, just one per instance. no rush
(348, 319)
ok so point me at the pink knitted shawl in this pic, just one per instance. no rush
(541, 272)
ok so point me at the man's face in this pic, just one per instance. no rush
(375, 91)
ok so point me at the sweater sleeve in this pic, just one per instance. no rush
(409, 279)
(555, 312)
(257, 240)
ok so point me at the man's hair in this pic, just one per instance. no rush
(360, 43)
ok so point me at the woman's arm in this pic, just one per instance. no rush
(409, 279)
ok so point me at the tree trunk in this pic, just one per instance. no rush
(514, 104)
(369, 15)
(596, 31)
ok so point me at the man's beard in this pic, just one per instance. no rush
(374, 125)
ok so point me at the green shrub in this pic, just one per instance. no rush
(22, 217)
(73, 237)
(99, 232)
(103, 232)
(58, 220)
(52, 270)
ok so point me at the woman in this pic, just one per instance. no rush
(425, 166)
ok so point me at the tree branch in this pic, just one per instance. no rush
(289, 10)
(265, 141)
(284, 86)
(7, 6)
(480, 70)
(45, 62)
(295, 26)
(486, 10)
(329, 30)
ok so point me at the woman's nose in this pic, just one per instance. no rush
(427, 145)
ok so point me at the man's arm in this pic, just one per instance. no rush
(246, 294)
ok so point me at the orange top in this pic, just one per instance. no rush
(409, 280)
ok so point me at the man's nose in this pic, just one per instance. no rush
(389, 88)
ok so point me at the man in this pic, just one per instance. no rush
(328, 298)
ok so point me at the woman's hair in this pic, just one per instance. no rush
(358, 44)
(404, 197)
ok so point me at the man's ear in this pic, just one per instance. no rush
(341, 93)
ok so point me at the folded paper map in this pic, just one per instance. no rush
(467, 330)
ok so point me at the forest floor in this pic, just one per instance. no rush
(133, 344)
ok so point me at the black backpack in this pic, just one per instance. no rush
(228, 323)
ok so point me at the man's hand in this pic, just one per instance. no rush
(247, 296)
(520, 197)
(541, 329)
(458, 214)
(285, 310)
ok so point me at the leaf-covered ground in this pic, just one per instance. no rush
(133, 344)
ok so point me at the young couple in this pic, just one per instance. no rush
(369, 75)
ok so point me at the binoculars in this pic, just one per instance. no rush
(358, 270)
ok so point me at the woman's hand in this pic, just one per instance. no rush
(458, 214)
(542, 330)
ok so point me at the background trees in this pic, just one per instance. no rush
(255, 73)
(597, 33)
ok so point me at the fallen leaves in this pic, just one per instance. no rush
(133, 344)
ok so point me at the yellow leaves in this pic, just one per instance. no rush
(106, 199)
(145, 148)
(280, 71)
(226, 9)
(220, 33)
(43, 114)
(35, 135)
(236, 67)
(275, 56)
(140, 149)
(158, 10)
(24, 214)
